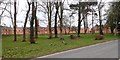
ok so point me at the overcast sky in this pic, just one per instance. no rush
(23, 7)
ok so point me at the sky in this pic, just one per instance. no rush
(22, 8)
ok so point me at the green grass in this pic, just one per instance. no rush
(20, 49)
(0, 48)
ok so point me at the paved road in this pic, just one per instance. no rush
(104, 50)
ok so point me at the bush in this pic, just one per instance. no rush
(99, 37)
(73, 37)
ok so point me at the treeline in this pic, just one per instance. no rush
(54, 10)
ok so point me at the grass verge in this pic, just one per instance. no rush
(46, 46)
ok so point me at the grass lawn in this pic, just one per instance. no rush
(43, 46)
(0, 48)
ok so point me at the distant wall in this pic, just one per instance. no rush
(44, 30)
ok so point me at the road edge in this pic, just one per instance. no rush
(75, 49)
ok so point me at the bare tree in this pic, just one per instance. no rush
(32, 41)
(10, 12)
(26, 18)
(15, 13)
(49, 13)
(7, 4)
(61, 18)
(100, 21)
(79, 19)
(4, 8)
(70, 21)
(55, 26)
(65, 23)
(47, 8)
(78, 8)
(36, 23)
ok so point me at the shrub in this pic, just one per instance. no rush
(73, 37)
(99, 37)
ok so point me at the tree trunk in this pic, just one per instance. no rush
(79, 21)
(36, 27)
(49, 19)
(15, 13)
(32, 41)
(55, 26)
(50, 31)
(65, 31)
(86, 23)
(36, 23)
(61, 17)
(92, 22)
(100, 21)
(24, 28)
(112, 30)
(69, 30)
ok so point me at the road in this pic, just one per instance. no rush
(102, 50)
